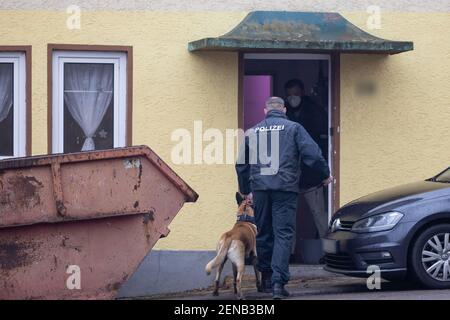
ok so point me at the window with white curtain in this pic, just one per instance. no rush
(89, 101)
(12, 105)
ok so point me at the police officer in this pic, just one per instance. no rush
(271, 178)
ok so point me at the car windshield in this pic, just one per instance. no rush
(444, 176)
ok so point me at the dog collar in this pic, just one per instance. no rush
(246, 218)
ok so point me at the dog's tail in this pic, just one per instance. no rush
(220, 257)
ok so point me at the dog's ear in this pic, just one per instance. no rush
(239, 198)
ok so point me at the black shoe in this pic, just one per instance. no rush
(279, 292)
(266, 282)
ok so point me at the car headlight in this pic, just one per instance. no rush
(335, 225)
(379, 222)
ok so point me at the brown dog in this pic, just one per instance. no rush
(237, 244)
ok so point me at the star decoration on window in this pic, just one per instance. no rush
(103, 134)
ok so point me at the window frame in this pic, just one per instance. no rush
(20, 57)
(120, 57)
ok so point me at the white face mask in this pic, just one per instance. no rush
(294, 101)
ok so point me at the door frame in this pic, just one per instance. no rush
(334, 112)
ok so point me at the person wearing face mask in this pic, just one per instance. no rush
(302, 109)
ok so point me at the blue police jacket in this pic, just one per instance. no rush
(261, 165)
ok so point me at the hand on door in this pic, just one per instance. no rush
(327, 181)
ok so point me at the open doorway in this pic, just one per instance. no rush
(272, 74)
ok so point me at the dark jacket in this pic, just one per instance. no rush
(315, 121)
(295, 147)
(311, 116)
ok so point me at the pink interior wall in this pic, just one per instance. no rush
(256, 91)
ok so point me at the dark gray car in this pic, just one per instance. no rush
(403, 230)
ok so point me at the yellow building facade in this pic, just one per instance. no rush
(398, 135)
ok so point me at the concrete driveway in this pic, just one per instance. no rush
(312, 283)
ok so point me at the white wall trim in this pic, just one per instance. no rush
(231, 5)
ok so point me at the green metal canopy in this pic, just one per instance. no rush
(307, 31)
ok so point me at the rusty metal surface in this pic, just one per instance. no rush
(311, 31)
(85, 185)
(35, 259)
(102, 211)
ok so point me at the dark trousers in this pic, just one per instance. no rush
(275, 213)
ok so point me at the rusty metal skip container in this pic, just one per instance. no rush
(93, 214)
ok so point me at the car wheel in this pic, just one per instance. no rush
(430, 257)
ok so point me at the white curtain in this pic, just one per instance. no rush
(88, 90)
(6, 92)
